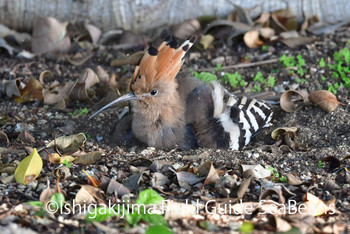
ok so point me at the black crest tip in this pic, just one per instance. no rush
(173, 44)
(193, 38)
(185, 47)
(152, 51)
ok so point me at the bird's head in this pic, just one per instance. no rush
(153, 81)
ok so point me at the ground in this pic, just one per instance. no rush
(320, 135)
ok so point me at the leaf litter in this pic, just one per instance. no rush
(217, 177)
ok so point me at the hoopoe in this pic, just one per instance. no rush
(184, 111)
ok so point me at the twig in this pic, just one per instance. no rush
(242, 65)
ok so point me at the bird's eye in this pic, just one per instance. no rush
(154, 91)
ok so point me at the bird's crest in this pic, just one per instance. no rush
(160, 64)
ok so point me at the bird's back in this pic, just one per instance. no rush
(217, 119)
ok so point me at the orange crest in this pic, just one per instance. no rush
(160, 64)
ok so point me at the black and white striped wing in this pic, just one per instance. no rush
(241, 117)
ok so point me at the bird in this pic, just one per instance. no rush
(170, 110)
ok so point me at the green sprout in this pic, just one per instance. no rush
(234, 79)
(265, 48)
(320, 164)
(65, 162)
(322, 63)
(205, 76)
(271, 81)
(218, 67)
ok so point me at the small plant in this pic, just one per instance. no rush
(205, 76)
(300, 81)
(271, 81)
(65, 162)
(320, 164)
(247, 227)
(334, 88)
(341, 66)
(79, 112)
(265, 48)
(288, 61)
(259, 78)
(146, 197)
(323, 78)
(234, 79)
(322, 63)
(218, 67)
(256, 88)
(87, 135)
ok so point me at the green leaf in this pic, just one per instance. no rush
(154, 219)
(56, 201)
(133, 218)
(149, 196)
(156, 229)
(35, 203)
(205, 76)
(100, 214)
(29, 168)
(322, 62)
(247, 227)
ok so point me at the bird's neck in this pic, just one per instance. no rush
(160, 124)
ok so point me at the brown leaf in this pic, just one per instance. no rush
(117, 188)
(279, 224)
(186, 28)
(89, 195)
(129, 60)
(292, 180)
(176, 210)
(79, 59)
(278, 132)
(61, 172)
(4, 138)
(10, 87)
(284, 20)
(207, 170)
(316, 207)
(25, 137)
(251, 39)
(266, 32)
(94, 32)
(325, 99)
(59, 94)
(49, 35)
(68, 143)
(186, 179)
(89, 158)
(293, 100)
(297, 41)
(32, 91)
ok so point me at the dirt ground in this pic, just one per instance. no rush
(319, 135)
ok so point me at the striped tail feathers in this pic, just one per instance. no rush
(241, 117)
(161, 64)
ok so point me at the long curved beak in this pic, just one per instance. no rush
(127, 97)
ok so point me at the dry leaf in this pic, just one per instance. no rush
(129, 60)
(49, 35)
(94, 32)
(297, 41)
(61, 172)
(293, 100)
(31, 92)
(266, 33)
(325, 99)
(89, 195)
(79, 59)
(57, 95)
(4, 138)
(284, 20)
(25, 137)
(176, 210)
(292, 180)
(316, 207)
(10, 87)
(206, 41)
(186, 179)
(47, 193)
(258, 170)
(117, 188)
(68, 143)
(186, 28)
(207, 170)
(29, 168)
(92, 179)
(276, 134)
(89, 158)
(251, 39)
(279, 224)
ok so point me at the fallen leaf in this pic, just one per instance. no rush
(95, 33)
(25, 137)
(251, 39)
(297, 41)
(89, 195)
(292, 180)
(207, 170)
(80, 58)
(49, 35)
(159, 180)
(258, 170)
(68, 143)
(61, 172)
(206, 41)
(10, 87)
(325, 99)
(176, 210)
(284, 20)
(315, 206)
(117, 188)
(29, 168)
(279, 224)
(186, 179)
(128, 60)
(4, 138)
(186, 28)
(276, 134)
(293, 100)
(47, 193)
(89, 158)
(266, 32)
(92, 179)
(58, 94)
(31, 92)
